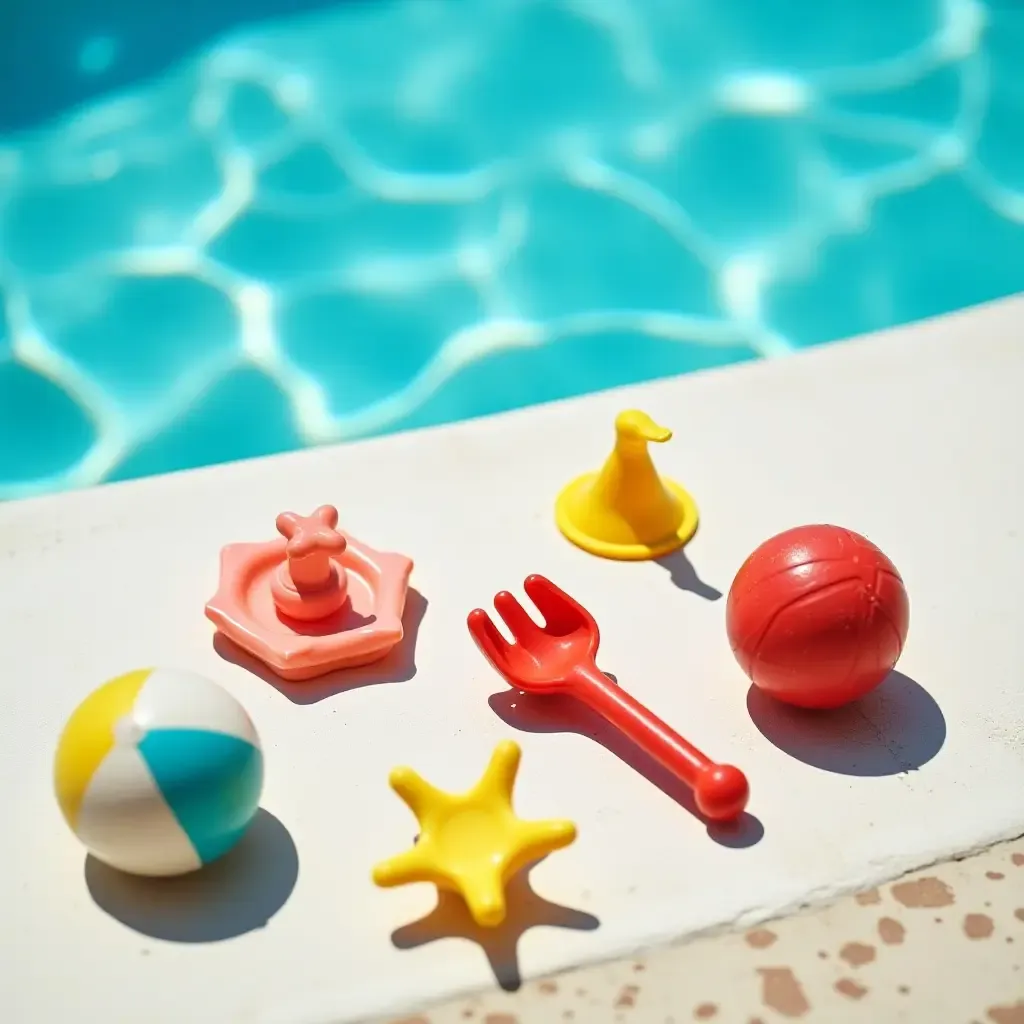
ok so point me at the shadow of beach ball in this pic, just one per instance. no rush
(239, 893)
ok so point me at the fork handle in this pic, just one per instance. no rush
(720, 790)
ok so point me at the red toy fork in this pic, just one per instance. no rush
(559, 658)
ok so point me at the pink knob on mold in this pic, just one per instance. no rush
(311, 584)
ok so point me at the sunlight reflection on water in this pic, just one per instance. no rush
(383, 216)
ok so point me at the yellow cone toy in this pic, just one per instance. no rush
(471, 843)
(626, 511)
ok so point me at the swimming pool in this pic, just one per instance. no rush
(375, 216)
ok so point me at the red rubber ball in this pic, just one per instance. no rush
(817, 616)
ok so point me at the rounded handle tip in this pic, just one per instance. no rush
(722, 792)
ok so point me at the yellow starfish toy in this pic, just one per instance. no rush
(471, 843)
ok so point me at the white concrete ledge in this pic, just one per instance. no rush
(912, 438)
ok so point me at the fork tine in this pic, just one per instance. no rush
(492, 644)
(557, 607)
(516, 617)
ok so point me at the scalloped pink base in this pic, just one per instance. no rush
(362, 631)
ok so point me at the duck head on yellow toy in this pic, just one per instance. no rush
(627, 511)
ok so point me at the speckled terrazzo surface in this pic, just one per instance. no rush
(384, 215)
(944, 945)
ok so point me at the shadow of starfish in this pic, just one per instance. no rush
(450, 919)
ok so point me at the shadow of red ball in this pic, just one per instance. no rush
(817, 616)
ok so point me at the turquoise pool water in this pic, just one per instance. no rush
(377, 216)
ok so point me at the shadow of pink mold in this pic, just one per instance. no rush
(313, 600)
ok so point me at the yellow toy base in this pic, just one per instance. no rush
(625, 552)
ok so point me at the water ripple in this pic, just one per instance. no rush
(388, 215)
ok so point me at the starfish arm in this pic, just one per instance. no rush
(536, 839)
(328, 515)
(500, 777)
(484, 894)
(287, 523)
(403, 869)
(423, 799)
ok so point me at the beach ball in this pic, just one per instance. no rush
(159, 772)
(817, 616)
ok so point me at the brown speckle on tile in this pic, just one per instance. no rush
(1019, 913)
(890, 931)
(938, 920)
(822, 955)
(1007, 1014)
(705, 1011)
(923, 892)
(626, 998)
(904, 990)
(568, 1015)
(868, 897)
(1018, 859)
(468, 1012)
(996, 876)
(760, 938)
(850, 988)
(978, 926)
(638, 967)
(549, 988)
(780, 991)
(856, 954)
